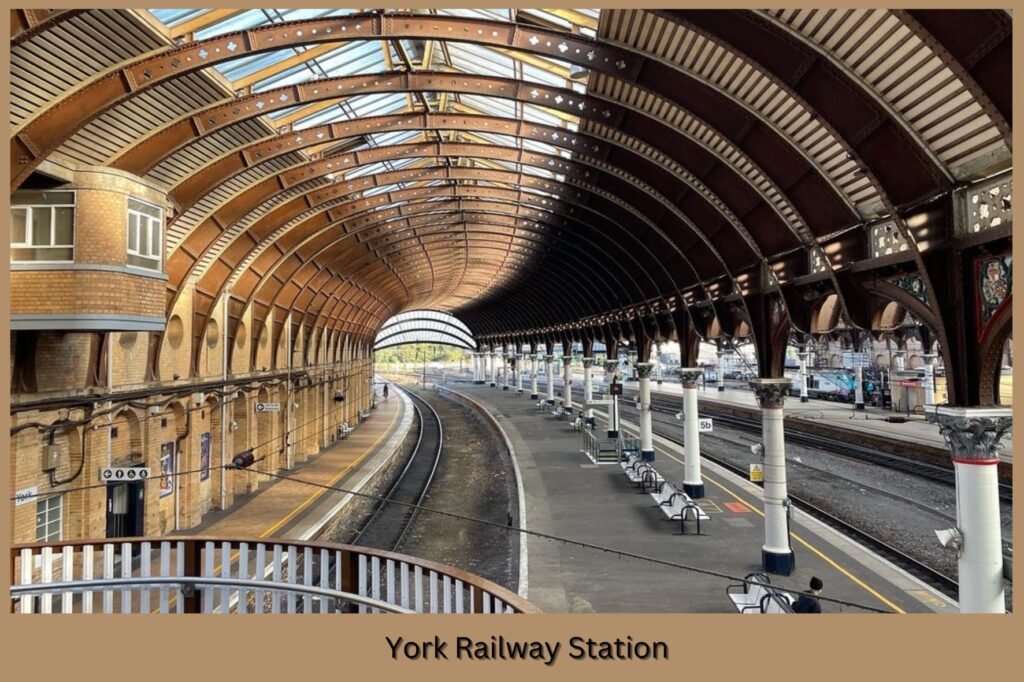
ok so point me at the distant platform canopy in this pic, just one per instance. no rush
(424, 326)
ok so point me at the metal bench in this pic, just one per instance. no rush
(756, 595)
(344, 430)
(676, 504)
(641, 473)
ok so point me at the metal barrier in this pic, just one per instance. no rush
(213, 575)
(601, 449)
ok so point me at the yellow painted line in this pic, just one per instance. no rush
(334, 480)
(309, 500)
(826, 559)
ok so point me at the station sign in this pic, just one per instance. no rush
(704, 425)
(25, 495)
(756, 474)
(124, 474)
(268, 407)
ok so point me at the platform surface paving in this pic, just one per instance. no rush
(569, 496)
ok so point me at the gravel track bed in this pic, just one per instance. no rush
(474, 478)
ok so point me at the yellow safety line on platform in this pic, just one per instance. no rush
(826, 559)
(334, 480)
(310, 499)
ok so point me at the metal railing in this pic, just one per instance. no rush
(215, 575)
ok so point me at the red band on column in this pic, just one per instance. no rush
(986, 462)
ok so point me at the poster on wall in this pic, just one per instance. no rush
(204, 456)
(166, 469)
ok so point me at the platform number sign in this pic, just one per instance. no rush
(704, 425)
(268, 407)
(124, 474)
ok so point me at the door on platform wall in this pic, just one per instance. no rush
(126, 506)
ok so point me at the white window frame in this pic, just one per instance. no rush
(155, 225)
(29, 211)
(49, 514)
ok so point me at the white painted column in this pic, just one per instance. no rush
(478, 375)
(858, 389)
(803, 376)
(494, 368)
(504, 372)
(657, 363)
(631, 370)
(550, 362)
(519, 372)
(693, 484)
(567, 379)
(588, 388)
(929, 379)
(613, 410)
(643, 374)
(534, 367)
(900, 359)
(776, 554)
(721, 369)
(973, 436)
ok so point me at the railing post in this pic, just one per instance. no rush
(193, 569)
(349, 576)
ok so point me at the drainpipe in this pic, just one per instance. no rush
(224, 405)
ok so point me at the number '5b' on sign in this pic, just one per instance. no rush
(704, 425)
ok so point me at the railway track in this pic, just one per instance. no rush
(388, 524)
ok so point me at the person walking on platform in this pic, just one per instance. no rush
(807, 603)
(385, 391)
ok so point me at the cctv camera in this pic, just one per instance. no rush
(950, 538)
(679, 415)
(757, 449)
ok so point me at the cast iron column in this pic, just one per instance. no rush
(588, 389)
(973, 436)
(643, 372)
(550, 360)
(776, 554)
(534, 361)
(693, 484)
(803, 375)
(613, 409)
(567, 379)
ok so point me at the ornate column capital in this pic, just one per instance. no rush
(973, 433)
(690, 375)
(771, 393)
(928, 358)
(549, 358)
(643, 369)
(566, 360)
(588, 362)
(802, 355)
(899, 353)
(611, 365)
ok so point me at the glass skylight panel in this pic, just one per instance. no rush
(494, 14)
(249, 64)
(173, 17)
(328, 115)
(477, 59)
(397, 137)
(378, 104)
(540, 115)
(491, 105)
(539, 75)
(240, 22)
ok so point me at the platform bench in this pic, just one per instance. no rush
(641, 473)
(344, 430)
(676, 504)
(758, 596)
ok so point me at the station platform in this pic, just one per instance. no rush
(569, 496)
(870, 421)
(295, 510)
(839, 418)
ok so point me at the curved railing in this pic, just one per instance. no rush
(219, 575)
